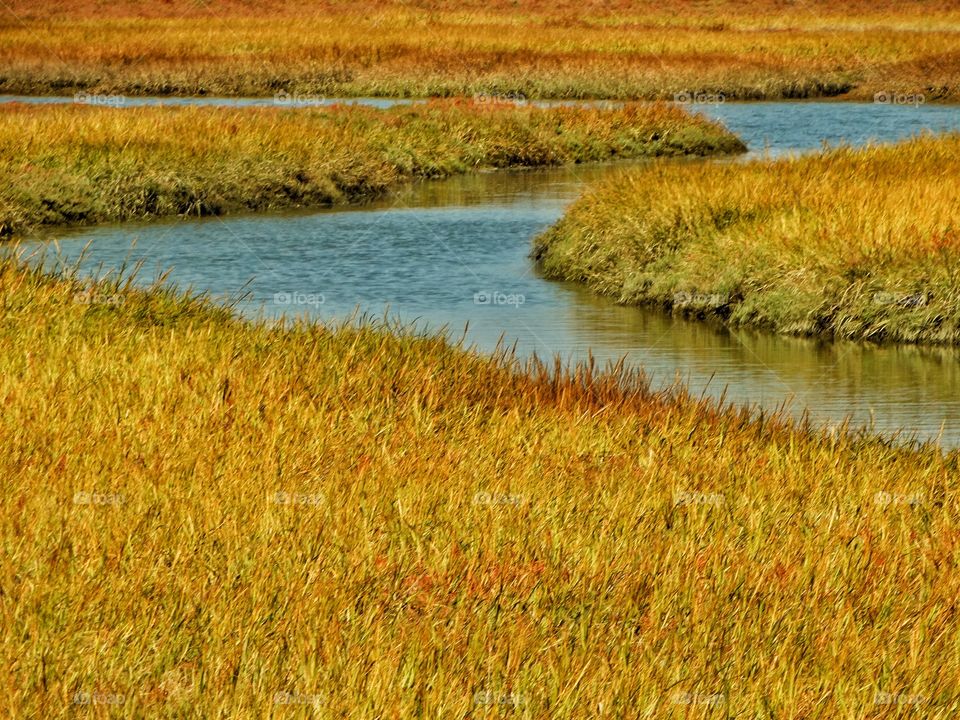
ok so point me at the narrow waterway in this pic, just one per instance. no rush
(455, 254)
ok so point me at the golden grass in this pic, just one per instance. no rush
(210, 518)
(81, 164)
(851, 243)
(206, 517)
(625, 50)
(569, 9)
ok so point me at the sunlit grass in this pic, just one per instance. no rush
(205, 517)
(851, 243)
(627, 50)
(63, 164)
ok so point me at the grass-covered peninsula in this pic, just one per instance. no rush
(852, 243)
(79, 164)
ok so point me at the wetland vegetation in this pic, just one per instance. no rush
(209, 516)
(852, 243)
(79, 164)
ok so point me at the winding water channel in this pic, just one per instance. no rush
(434, 253)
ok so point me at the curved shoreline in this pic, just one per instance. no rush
(186, 454)
(82, 165)
(852, 244)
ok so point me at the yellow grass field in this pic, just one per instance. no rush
(206, 516)
(623, 50)
(209, 518)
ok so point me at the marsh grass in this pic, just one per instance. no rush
(857, 244)
(79, 164)
(206, 517)
(645, 50)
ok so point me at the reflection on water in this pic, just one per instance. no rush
(455, 253)
(889, 387)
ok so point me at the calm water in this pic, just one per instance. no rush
(452, 254)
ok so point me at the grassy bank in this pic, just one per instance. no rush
(859, 244)
(626, 50)
(79, 164)
(206, 517)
